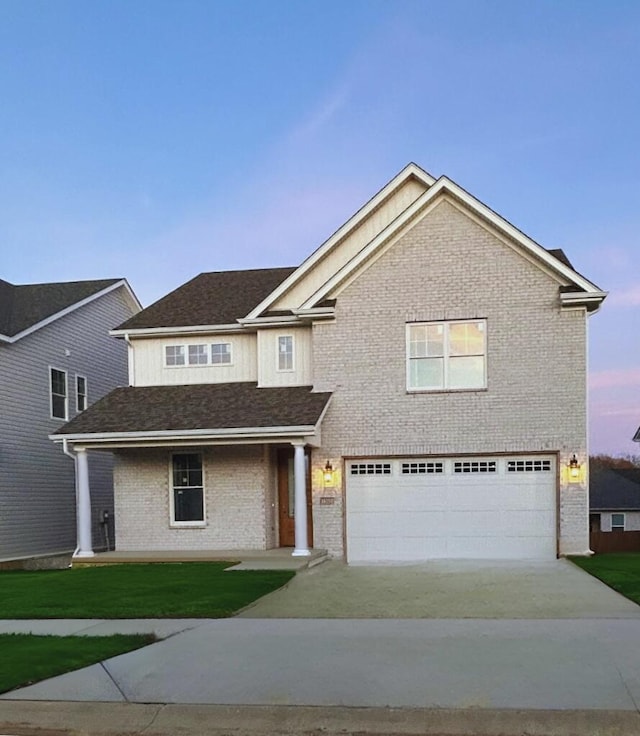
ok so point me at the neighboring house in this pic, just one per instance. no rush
(614, 499)
(56, 359)
(636, 436)
(415, 389)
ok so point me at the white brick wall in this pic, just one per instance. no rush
(449, 267)
(238, 498)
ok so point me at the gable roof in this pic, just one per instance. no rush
(27, 307)
(611, 489)
(205, 410)
(216, 298)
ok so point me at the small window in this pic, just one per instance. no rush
(58, 393)
(221, 353)
(174, 355)
(617, 522)
(187, 489)
(529, 466)
(371, 469)
(422, 468)
(198, 355)
(81, 393)
(475, 466)
(285, 353)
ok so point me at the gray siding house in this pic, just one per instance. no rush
(415, 389)
(56, 358)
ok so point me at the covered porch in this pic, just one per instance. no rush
(200, 470)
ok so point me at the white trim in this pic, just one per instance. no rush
(171, 331)
(65, 418)
(197, 524)
(72, 308)
(86, 393)
(441, 187)
(570, 299)
(409, 171)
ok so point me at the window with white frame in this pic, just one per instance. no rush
(198, 355)
(221, 353)
(187, 483)
(446, 355)
(174, 355)
(81, 393)
(617, 522)
(285, 352)
(58, 393)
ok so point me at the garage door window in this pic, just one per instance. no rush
(446, 355)
(475, 466)
(371, 469)
(422, 468)
(529, 466)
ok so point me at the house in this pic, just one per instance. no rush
(414, 389)
(614, 499)
(56, 359)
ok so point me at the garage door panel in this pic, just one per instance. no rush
(490, 515)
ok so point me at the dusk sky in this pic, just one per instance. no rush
(155, 140)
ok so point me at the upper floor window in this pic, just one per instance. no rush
(174, 355)
(446, 355)
(58, 393)
(81, 393)
(285, 353)
(198, 355)
(221, 353)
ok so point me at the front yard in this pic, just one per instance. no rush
(161, 590)
(620, 571)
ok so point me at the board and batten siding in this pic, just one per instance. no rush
(37, 480)
(149, 367)
(268, 373)
(351, 244)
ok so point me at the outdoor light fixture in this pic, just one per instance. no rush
(574, 467)
(328, 473)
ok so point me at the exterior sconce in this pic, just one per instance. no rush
(574, 469)
(328, 473)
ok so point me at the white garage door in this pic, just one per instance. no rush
(466, 508)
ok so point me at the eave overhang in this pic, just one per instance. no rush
(590, 300)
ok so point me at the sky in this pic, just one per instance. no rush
(155, 139)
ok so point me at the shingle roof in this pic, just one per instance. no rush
(614, 488)
(216, 298)
(201, 406)
(560, 255)
(25, 305)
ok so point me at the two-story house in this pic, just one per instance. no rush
(415, 389)
(56, 358)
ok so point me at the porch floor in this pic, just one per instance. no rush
(247, 559)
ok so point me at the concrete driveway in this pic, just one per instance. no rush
(445, 589)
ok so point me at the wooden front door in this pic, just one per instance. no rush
(286, 513)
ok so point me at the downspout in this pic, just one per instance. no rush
(74, 457)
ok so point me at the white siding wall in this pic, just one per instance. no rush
(150, 370)
(268, 373)
(352, 244)
(37, 480)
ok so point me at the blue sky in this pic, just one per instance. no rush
(155, 140)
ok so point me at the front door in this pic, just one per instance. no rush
(286, 512)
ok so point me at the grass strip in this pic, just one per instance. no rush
(159, 590)
(620, 571)
(27, 658)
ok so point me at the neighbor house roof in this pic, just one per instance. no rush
(145, 410)
(611, 489)
(25, 307)
(636, 436)
(216, 298)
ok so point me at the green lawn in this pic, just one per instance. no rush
(620, 571)
(26, 658)
(161, 590)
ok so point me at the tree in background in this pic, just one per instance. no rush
(620, 462)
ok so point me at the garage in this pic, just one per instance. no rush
(412, 509)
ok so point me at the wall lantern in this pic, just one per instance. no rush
(574, 468)
(328, 473)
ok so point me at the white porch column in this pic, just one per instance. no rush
(301, 548)
(83, 505)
